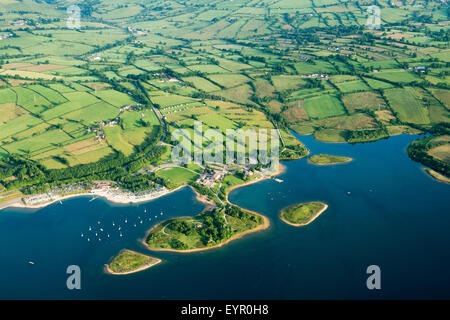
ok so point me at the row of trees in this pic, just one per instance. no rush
(418, 151)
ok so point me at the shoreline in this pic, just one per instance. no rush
(18, 202)
(436, 176)
(281, 169)
(209, 204)
(99, 194)
(310, 221)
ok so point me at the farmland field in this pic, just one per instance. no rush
(323, 107)
(408, 107)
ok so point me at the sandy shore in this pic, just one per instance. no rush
(311, 220)
(281, 169)
(127, 200)
(121, 199)
(141, 268)
(436, 175)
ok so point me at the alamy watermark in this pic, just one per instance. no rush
(374, 280)
(242, 147)
(374, 19)
(74, 280)
(74, 17)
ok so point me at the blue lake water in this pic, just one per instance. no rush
(383, 210)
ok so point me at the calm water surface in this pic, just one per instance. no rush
(383, 210)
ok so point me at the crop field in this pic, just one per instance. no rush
(352, 86)
(117, 99)
(202, 84)
(396, 76)
(93, 113)
(377, 84)
(284, 82)
(241, 94)
(228, 80)
(408, 107)
(363, 100)
(323, 107)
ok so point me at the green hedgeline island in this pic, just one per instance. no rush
(326, 159)
(128, 261)
(302, 214)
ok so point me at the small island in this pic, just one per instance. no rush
(128, 261)
(210, 229)
(302, 214)
(437, 176)
(326, 159)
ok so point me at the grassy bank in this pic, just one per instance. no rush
(326, 159)
(128, 261)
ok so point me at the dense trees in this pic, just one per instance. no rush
(366, 135)
(115, 167)
(418, 151)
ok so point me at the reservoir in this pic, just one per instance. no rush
(383, 210)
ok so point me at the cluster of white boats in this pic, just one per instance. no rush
(98, 232)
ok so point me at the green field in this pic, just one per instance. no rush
(115, 98)
(177, 176)
(128, 261)
(326, 159)
(408, 107)
(323, 107)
